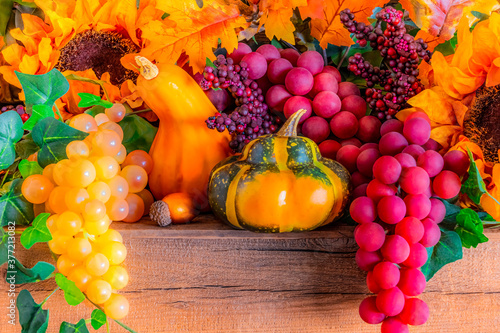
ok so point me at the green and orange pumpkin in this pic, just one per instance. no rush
(279, 183)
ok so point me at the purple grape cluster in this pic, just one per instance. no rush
(398, 73)
(252, 117)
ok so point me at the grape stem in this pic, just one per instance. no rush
(343, 56)
(117, 321)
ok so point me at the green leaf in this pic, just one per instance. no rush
(373, 57)
(138, 133)
(28, 168)
(14, 207)
(26, 147)
(448, 250)
(209, 63)
(446, 48)
(52, 136)
(93, 111)
(44, 88)
(41, 271)
(88, 100)
(5, 12)
(38, 232)
(11, 131)
(32, 317)
(72, 294)
(470, 228)
(276, 44)
(98, 318)
(39, 112)
(79, 327)
(4, 246)
(474, 186)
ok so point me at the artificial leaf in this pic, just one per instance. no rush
(14, 207)
(209, 63)
(447, 250)
(330, 30)
(474, 186)
(41, 271)
(88, 100)
(26, 147)
(276, 44)
(98, 318)
(43, 88)
(37, 232)
(137, 133)
(72, 294)
(93, 111)
(313, 10)
(11, 131)
(5, 12)
(80, 327)
(38, 112)
(191, 30)
(4, 246)
(470, 228)
(32, 317)
(430, 40)
(28, 168)
(52, 136)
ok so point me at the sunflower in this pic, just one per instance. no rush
(462, 100)
(83, 37)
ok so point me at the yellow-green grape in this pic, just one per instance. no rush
(59, 243)
(77, 149)
(119, 187)
(116, 307)
(116, 113)
(48, 172)
(57, 202)
(36, 188)
(80, 277)
(110, 125)
(136, 177)
(98, 227)
(117, 209)
(101, 118)
(75, 199)
(79, 248)
(109, 236)
(98, 291)
(94, 210)
(122, 155)
(65, 264)
(97, 264)
(106, 167)
(83, 122)
(117, 277)
(106, 143)
(52, 223)
(100, 191)
(115, 252)
(60, 172)
(69, 223)
(82, 173)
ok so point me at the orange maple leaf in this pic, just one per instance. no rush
(431, 40)
(329, 29)
(276, 15)
(190, 29)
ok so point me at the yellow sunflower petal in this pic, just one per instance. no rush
(434, 102)
(30, 64)
(493, 76)
(491, 206)
(445, 135)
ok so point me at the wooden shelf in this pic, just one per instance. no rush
(207, 277)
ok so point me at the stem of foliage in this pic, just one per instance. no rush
(58, 113)
(140, 111)
(289, 45)
(117, 321)
(4, 178)
(45, 300)
(107, 325)
(492, 197)
(324, 57)
(344, 56)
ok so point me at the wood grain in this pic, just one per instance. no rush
(207, 277)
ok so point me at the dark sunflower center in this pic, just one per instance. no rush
(101, 51)
(482, 124)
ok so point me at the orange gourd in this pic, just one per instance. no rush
(184, 150)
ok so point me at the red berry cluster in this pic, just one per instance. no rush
(21, 110)
(401, 53)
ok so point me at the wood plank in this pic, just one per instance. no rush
(207, 277)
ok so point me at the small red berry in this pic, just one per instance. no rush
(25, 117)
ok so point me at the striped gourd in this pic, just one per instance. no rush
(279, 183)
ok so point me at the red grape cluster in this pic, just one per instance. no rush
(21, 110)
(242, 73)
(395, 81)
(398, 186)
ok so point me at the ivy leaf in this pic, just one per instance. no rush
(88, 100)
(11, 131)
(5, 12)
(98, 318)
(38, 232)
(72, 294)
(474, 186)
(52, 136)
(32, 317)
(4, 247)
(39, 112)
(44, 88)
(470, 228)
(209, 63)
(138, 133)
(14, 207)
(79, 327)
(448, 250)
(28, 168)
(96, 109)
(41, 271)
(276, 44)
(26, 147)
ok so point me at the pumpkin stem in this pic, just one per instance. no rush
(146, 68)
(290, 126)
